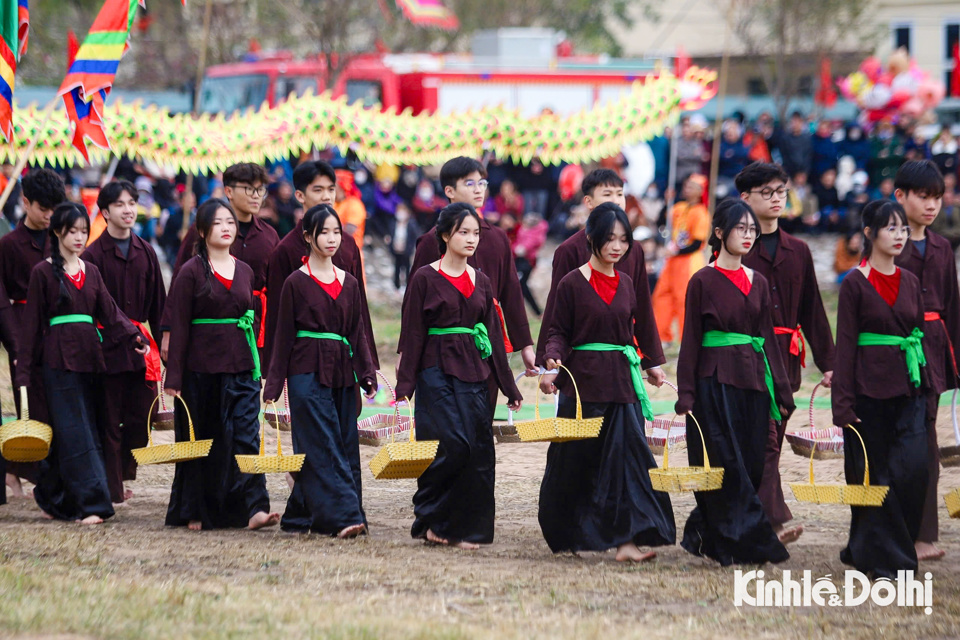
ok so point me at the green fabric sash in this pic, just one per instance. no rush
(912, 347)
(479, 333)
(730, 339)
(323, 335)
(73, 318)
(245, 324)
(633, 358)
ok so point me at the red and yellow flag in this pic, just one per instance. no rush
(14, 27)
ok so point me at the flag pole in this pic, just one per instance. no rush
(201, 65)
(25, 156)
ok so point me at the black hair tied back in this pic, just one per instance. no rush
(450, 219)
(64, 217)
(601, 224)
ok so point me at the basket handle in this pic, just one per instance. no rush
(576, 392)
(866, 462)
(163, 381)
(703, 441)
(396, 409)
(813, 450)
(193, 437)
(412, 425)
(263, 427)
(25, 408)
(953, 415)
(286, 398)
(813, 394)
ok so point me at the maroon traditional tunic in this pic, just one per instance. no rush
(69, 347)
(19, 253)
(494, 258)
(207, 348)
(432, 301)
(796, 300)
(575, 252)
(583, 317)
(878, 372)
(306, 306)
(716, 304)
(288, 257)
(136, 284)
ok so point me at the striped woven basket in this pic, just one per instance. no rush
(822, 444)
(263, 463)
(404, 459)
(664, 431)
(279, 418)
(25, 440)
(162, 414)
(681, 479)
(559, 429)
(380, 428)
(185, 451)
(859, 495)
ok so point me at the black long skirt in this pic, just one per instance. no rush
(72, 482)
(226, 408)
(454, 497)
(894, 432)
(729, 524)
(596, 493)
(327, 495)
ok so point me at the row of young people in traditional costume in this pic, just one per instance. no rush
(446, 367)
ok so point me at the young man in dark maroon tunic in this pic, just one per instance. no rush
(919, 188)
(20, 251)
(787, 265)
(464, 180)
(604, 185)
(131, 273)
(245, 185)
(315, 183)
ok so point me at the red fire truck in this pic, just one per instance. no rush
(526, 69)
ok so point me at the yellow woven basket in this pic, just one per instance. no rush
(559, 429)
(859, 495)
(680, 479)
(270, 464)
(404, 459)
(176, 452)
(25, 440)
(953, 503)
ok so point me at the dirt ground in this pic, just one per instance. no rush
(134, 578)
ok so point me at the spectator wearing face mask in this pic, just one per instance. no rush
(426, 203)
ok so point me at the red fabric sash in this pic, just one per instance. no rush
(262, 294)
(933, 316)
(508, 346)
(798, 347)
(153, 358)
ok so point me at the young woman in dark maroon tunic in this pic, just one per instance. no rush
(878, 386)
(596, 493)
(65, 301)
(213, 359)
(731, 377)
(320, 349)
(450, 339)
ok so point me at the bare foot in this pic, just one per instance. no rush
(45, 515)
(127, 494)
(263, 519)
(467, 546)
(195, 525)
(16, 489)
(290, 480)
(787, 536)
(352, 531)
(435, 539)
(631, 553)
(929, 551)
(92, 520)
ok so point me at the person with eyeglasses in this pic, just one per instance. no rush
(880, 386)
(245, 186)
(799, 317)
(731, 378)
(464, 181)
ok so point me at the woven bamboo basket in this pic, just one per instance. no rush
(185, 451)
(859, 495)
(559, 429)
(404, 459)
(822, 444)
(506, 433)
(279, 418)
(663, 430)
(162, 414)
(680, 479)
(270, 464)
(378, 429)
(25, 440)
(953, 503)
(950, 456)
